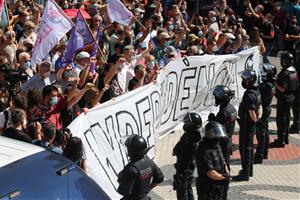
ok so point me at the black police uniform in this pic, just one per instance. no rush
(227, 116)
(135, 179)
(251, 101)
(287, 79)
(296, 106)
(184, 150)
(209, 156)
(267, 89)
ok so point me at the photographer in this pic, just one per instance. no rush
(48, 133)
(19, 123)
(75, 152)
(16, 102)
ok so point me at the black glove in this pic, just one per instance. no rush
(226, 176)
(260, 123)
(211, 117)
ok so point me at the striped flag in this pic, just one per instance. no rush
(55, 24)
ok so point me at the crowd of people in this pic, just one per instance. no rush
(39, 100)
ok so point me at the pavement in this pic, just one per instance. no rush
(277, 178)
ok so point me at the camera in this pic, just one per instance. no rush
(63, 136)
(16, 76)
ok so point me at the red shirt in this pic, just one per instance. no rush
(52, 114)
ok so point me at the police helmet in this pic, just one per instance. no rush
(269, 70)
(249, 75)
(214, 130)
(192, 120)
(136, 146)
(222, 94)
(286, 59)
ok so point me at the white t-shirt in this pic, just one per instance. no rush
(127, 72)
(2, 119)
(150, 35)
(78, 68)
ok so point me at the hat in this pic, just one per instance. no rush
(245, 37)
(230, 36)
(172, 50)
(165, 35)
(82, 55)
(153, 5)
(138, 10)
(192, 37)
(128, 47)
(175, 10)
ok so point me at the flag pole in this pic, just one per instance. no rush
(63, 13)
(139, 22)
(103, 57)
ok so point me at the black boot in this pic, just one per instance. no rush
(258, 159)
(277, 144)
(294, 130)
(241, 177)
(286, 141)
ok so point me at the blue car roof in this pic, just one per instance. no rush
(47, 175)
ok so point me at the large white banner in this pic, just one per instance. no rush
(154, 110)
(55, 24)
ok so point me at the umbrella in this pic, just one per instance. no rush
(72, 13)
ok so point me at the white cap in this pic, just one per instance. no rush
(82, 54)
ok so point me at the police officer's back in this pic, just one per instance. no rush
(213, 174)
(141, 174)
(286, 85)
(184, 150)
(226, 116)
(295, 127)
(267, 88)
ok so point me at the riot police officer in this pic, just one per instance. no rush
(295, 128)
(141, 174)
(249, 112)
(213, 173)
(226, 116)
(267, 90)
(286, 85)
(184, 150)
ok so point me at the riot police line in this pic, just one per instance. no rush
(209, 154)
(212, 152)
(155, 109)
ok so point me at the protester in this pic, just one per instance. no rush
(106, 58)
(74, 151)
(19, 123)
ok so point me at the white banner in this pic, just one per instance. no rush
(154, 110)
(55, 24)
